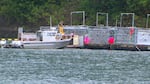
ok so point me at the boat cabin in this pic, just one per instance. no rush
(46, 36)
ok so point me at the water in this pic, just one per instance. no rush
(74, 66)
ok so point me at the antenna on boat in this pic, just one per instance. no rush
(50, 22)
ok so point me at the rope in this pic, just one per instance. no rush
(137, 48)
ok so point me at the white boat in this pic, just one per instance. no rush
(44, 39)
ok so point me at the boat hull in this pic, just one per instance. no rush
(46, 45)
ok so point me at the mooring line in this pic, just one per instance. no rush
(137, 48)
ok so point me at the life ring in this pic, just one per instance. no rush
(111, 40)
(86, 40)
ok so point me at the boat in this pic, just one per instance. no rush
(45, 38)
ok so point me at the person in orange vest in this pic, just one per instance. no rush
(61, 29)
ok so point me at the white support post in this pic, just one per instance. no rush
(127, 14)
(78, 12)
(99, 13)
(147, 20)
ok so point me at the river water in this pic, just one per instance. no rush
(74, 66)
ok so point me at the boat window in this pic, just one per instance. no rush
(51, 34)
(39, 36)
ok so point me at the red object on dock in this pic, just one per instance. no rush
(111, 40)
(131, 31)
(86, 40)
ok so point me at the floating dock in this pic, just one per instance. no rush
(125, 38)
(96, 37)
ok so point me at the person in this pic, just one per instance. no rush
(60, 27)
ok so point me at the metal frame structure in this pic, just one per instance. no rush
(77, 12)
(99, 13)
(147, 20)
(127, 14)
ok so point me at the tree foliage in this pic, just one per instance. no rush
(37, 12)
